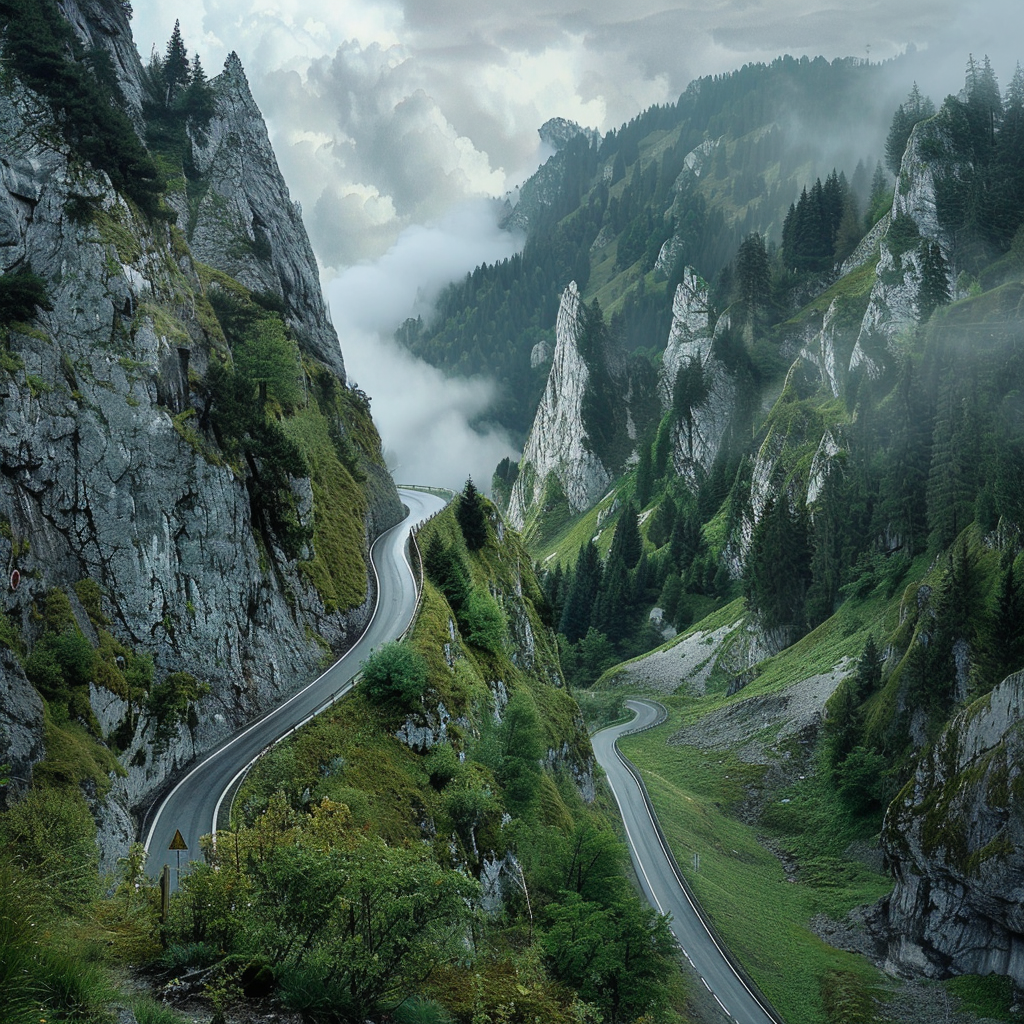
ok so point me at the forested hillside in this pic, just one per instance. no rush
(680, 185)
(828, 492)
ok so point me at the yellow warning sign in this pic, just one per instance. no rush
(178, 842)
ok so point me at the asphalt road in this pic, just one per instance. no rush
(657, 874)
(191, 807)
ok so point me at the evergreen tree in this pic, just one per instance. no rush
(1008, 628)
(662, 522)
(827, 535)
(612, 611)
(662, 451)
(842, 726)
(778, 567)
(471, 517)
(582, 593)
(868, 677)
(689, 392)
(933, 290)
(901, 514)
(753, 281)
(627, 543)
(446, 570)
(952, 476)
(175, 68)
(913, 110)
(880, 201)
(1006, 200)
(644, 476)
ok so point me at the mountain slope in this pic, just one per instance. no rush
(188, 487)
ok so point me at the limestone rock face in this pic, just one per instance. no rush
(104, 24)
(892, 307)
(955, 840)
(105, 474)
(246, 223)
(690, 344)
(557, 446)
(821, 352)
(21, 724)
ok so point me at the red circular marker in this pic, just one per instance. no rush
(15, 579)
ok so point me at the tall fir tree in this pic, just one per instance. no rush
(471, 517)
(627, 543)
(175, 68)
(582, 593)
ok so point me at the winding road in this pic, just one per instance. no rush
(662, 884)
(193, 805)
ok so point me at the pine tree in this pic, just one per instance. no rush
(753, 281)
(644, 476)
(175, 67)
(953, 474)
(627, 543)
(933, 290)
(868, 677)
(1007, 178)
(662, 522)
(777, 570)
(662, 449)
(880, 201)
(614, 604)
(912, 111)
(471, 517)
(582, 593)
(1008, 628)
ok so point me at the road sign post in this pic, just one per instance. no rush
(178, 844)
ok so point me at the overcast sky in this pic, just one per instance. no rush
(388, 116)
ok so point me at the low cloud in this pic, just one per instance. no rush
(426, 420)
(386, 113)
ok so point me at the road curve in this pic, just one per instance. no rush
(191, 807)
(662, 886)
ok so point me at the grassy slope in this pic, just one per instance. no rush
(699, 793)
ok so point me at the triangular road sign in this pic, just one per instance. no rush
(178, 842)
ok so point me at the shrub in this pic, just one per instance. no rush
(21, 293)
(395, 673)
(484, 622)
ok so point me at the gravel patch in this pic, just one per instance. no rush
(688, 663)
(786, 713)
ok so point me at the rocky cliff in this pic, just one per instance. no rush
(894, 305)
(697, 434)
(954, 838)
(558, 450)
(116, 491)
(243, 220)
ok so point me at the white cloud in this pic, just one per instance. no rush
(385, 114)
(425, 419)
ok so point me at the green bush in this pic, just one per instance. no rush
(395, 674)
(172, 702)
(484, 623)
(51, 836)
(21, 293)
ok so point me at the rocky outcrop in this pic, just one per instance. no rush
(558, 449)
(893, 305)
(821, 352)
(106, 471)
(544, 186)
(698, 434)
(104, 24)
(21, 726)
(241, 219)
(955, 840)
(558, 132)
